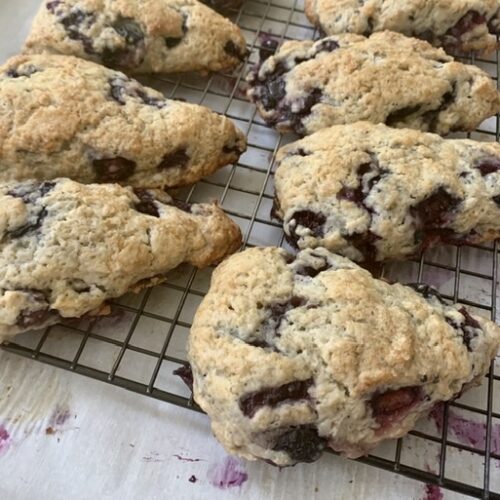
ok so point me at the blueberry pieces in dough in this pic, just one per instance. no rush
(373, 193)
(139, 36)
(387, 78)
(293, 355)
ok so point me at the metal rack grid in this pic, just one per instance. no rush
(140, 344)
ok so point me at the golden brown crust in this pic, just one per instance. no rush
(65, 117)
(68, 247)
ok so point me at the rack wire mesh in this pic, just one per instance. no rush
(143, 341)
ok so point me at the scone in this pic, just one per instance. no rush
(373, 193)
(65, 117)
(139, 36)
(290, 356)
(65, 247)
(387, 78)
(456, 25)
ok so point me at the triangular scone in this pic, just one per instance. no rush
(387, 78)
(294, 354)
(66, 248)
(61, 116)
(374, 193)
(139, 36)
(456, 25)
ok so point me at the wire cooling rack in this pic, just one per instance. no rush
(143, 341)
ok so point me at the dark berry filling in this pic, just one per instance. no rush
(301, 443)
(178, 158)
(323, 265)
(326, 46)
(73, 21)
(133, 36)
(496, 199)
(469, 327)
(490, 165)
(182, 205)
(392, 406)
(186, 374)
(52, 6)
(29, 318)
(313, 221)
(231, 49)
(431, 116)
(26, 71)
(276, 314)
(427, 292)
(29, 227)
(146, 204)
(272, 93)
(113, 169)
(121, 88)
(400, 115)
(365, 183)
(30, 192)
(287, 393)
(173, 41)
(431, 214)
(364, 243)
(454, 37)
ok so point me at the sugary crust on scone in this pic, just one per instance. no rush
(66, 247)
(272, 329)
(139, 36)
(373, 193)
(463, 25)
(387, 78)
(65, 117)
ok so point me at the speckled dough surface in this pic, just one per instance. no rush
(457, 25)
(67, 247)
(65, 117)
(139, 36)
(387, 78)
(373, 193)
(292, 355)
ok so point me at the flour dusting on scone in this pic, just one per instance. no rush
(387, 78)
(66, 117)
(456, 25)
(139, 36)
(373, 193)
(292, 355)
(66, 248)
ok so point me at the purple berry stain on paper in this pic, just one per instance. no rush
(4, 439)
(193, 479)
(433, 492)
(467, 431)
(57, 420)
(228, 474)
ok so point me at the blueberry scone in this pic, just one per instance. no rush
(65, 117)
(139, 36)
(66, 248)
(456, 25)
(291, 355)
(387, 78)
(373, 193)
